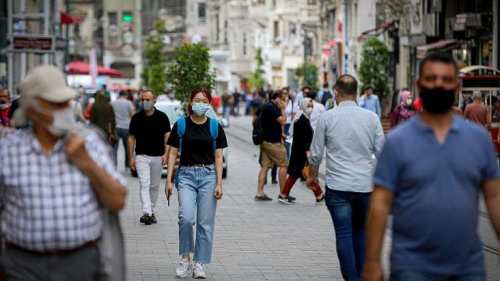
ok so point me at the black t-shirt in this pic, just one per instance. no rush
(149, 132)
(197, 143)
(271, 129)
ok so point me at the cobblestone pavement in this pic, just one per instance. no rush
(253, 240)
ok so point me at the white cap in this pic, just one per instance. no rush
(45, 82)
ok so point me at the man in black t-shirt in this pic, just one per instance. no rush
(273, 119)
(149, 131)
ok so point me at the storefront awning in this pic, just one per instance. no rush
(327, 48)
(376, 30)
(423, 50)
(68, 19)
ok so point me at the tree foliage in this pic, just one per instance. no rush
(256, 79)
(307, 73)
(190, 69)
(373, 69)
(154, 64)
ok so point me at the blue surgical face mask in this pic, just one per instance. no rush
(200, 108)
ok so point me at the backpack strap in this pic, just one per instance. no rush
(214, 131)
(181, 129)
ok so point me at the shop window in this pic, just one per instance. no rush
(127, 68)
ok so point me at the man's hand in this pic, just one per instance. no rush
(164, 159)
(76, 152)
(312, 182)
(168, 189)
(218, 191)
(373, 272)
(132, 163)
(281, 105)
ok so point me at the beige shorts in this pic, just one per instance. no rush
(273, 154)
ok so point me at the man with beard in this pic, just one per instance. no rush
(433, 195)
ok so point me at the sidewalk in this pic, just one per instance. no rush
(253, 240)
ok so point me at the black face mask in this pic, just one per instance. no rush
(437, 100)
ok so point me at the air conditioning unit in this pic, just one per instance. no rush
(473, 20)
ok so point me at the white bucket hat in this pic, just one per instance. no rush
(45, 82)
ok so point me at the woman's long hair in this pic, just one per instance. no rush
(205, 92)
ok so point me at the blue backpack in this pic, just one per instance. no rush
(181, 129)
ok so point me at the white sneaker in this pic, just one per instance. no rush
(198, 272)
(183, 268)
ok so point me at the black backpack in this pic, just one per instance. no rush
(326, 97)
(257, 133)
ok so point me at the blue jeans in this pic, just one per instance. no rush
(197, 205)
(226, 110)
(123, 135)
(349, 211)
(421, 276)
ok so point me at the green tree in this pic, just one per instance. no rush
(190, 69)
(154, 63)
(307, 73)
(373, 70)
(256, 81)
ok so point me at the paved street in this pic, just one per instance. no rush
(253, 240)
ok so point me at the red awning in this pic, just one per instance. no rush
(376, 29)
(83, 68)
(68, 19)
(327, 48)
(123, 87)
(422, 50)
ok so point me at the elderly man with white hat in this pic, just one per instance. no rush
(54, 182)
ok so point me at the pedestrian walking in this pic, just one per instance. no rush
(200, 140)
(236, 102)
(370, 101)
(303, 134)
(148, 132)
(290, 112)
(477, 112)
(226, 105)
(4, 108)
(404, 110)
(55, 182)
(273, 118)
(103, 116)
(318, 109)
(324, 94)
(124, 110)
(352, 135)
(433, 197)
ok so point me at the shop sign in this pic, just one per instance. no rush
(460, 21)
(33, 44)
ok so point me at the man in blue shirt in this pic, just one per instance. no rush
(321, 95)
(351, 135)
(370, 101)
(432, 185)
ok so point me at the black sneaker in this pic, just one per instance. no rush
(263, 198)
(321, 200)
(153, 219)
(274, 182)
(291, 198)
(146, 219)
(285, 200)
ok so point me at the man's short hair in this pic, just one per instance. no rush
(306, 87)
(312, 95)
(150, 91)
(276, 94)
(346, 85)
(123, 93)
(325, 85)
(441, 57)
(477, 95)
(368, 87)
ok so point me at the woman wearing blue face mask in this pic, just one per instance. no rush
(200, 141)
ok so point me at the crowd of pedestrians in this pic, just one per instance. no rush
(59, 175)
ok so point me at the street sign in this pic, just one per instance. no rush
(33, 44)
